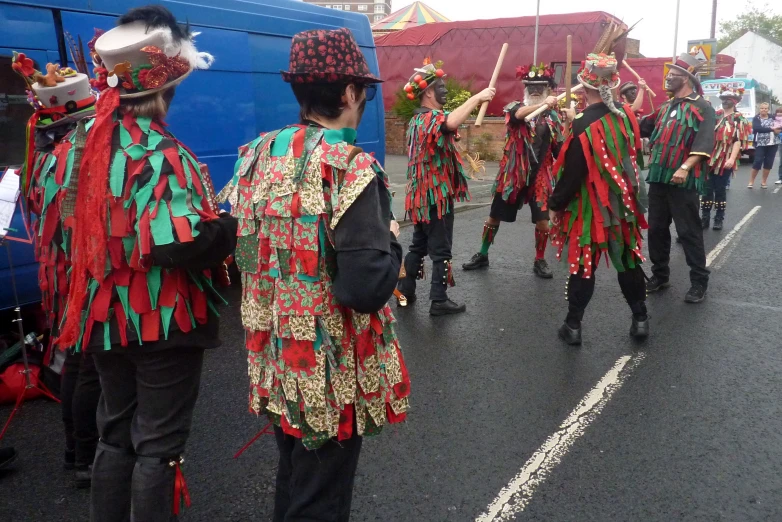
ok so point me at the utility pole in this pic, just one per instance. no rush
(713, 19)
(676, 31)
(537, 24)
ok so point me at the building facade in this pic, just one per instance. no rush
(375, 10)
(759, 57)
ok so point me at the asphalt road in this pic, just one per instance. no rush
(694, 433)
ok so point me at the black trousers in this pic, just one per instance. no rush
(144, 419)
(316, 485)
(434, 239)
(716, 193)
(580, 290)
(671, 203)
(79, 393)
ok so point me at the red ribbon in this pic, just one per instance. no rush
(181, 494)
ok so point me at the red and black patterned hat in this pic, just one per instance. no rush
(321, 56)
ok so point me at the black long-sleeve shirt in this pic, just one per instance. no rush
(576, 168)
(368, 255)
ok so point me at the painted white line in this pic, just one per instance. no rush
(515, 497)
(777, 189)
(727, 239)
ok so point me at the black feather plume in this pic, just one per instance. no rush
(155, 16)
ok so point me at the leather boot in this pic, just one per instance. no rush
(414, 269)
(639, 329)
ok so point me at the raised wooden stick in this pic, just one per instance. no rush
(492, 83)
(569, 71)
(544, 108)
(637, 77)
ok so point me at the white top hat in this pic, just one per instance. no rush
(141, 60)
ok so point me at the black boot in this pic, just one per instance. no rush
(442, 278)
(571, 336)
(83, 477)
(446, 307)
(477, 261)
(719, 216)
(655, 283)
(7, 457)
(69, 462)
(414, 269)
(706, 213)
(696, 294)
(639, 329)
(705, 219)
(542, 269)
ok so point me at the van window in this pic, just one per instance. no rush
(14, 113)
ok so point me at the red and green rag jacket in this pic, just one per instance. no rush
(316, 367)
(155, 196)
(435, 172)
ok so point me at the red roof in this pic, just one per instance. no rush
(429, 33)
(469, 49)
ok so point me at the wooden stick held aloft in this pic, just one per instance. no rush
(492, 83)
(545, 108)
(637, 77)
(569, 70)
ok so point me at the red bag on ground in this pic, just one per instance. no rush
(12, 382)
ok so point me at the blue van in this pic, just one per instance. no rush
(214, 112)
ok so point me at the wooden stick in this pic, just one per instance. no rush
(492, 83)
(637, 77)
(568, 71)
(546, 107)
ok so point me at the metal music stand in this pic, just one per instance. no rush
(31, 382)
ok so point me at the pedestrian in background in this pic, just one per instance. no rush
(766, 144)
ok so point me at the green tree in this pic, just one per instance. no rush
(755, 19)
(458, 93)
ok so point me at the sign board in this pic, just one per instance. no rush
(705, 51)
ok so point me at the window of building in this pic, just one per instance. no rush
(347, 7)
(559, 74)
(337, 6)
(14, 113)
(362, 7)
(380, 8)
(378, 18)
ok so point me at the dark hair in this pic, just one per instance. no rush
(322, 99)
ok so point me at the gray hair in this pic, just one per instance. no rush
(608, 98)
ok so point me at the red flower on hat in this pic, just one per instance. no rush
(23, 65)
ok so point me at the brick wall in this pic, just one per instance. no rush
(486, 140)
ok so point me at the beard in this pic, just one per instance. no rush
(534, 99)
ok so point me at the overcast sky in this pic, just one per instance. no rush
(655, 30)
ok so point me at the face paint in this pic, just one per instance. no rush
(631, 94)
(536, 89)
(440, 92)
(728, 104)
(674, 83)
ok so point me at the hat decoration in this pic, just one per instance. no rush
(532, 74)
(599, 69)
(423, 78)
(56, 94)
(727, 92)
(321, 56)
(147, 52)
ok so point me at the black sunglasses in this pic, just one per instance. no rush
(371, 90)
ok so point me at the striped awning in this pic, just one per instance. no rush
(417, 13)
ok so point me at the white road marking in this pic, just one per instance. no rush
(515, 497)
(777, 189)
(727, 239)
